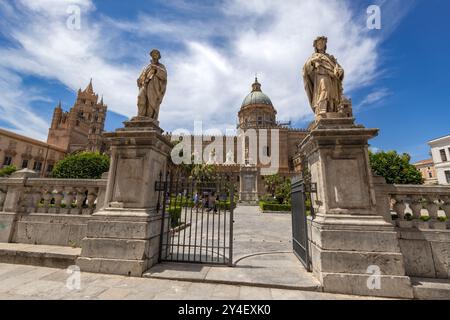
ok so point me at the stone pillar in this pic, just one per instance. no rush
(248, 193)
(123, 238)
(13, 197)
(353, 249)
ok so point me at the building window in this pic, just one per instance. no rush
(7, 161)
(24, 164)
(266, 151)
(260, 121)
(37, 166)
(430, 175)
(49, 168)
(443, 155)
(447, 176)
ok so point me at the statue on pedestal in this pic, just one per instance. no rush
(152, 85)
(323, 77)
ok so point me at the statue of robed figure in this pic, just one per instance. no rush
(152, 85)
(323, 77)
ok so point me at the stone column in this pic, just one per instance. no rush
(123, 238)
(353, 249)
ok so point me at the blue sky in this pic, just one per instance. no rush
(397, 76)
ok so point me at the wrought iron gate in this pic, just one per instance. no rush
(201, 219)
(300, 208)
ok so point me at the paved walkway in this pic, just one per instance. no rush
(262, 254)
(255, 232)
(38, 283)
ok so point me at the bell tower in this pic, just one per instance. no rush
(81, 128)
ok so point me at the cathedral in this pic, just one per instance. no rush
(81, 129)
(275, 145)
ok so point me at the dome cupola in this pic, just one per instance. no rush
(256, 96)
(257, 110)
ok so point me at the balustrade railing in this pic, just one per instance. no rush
(420, 206)
(53, 196)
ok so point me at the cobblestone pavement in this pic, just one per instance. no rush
(31, 283)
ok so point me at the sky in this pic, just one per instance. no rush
(396, 76)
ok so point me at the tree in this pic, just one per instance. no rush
(395, 168)
(271, 183)
(83, 165)
(7, 171)
(283, 192)
(203, 172)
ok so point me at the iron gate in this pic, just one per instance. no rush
(301, 206)
(200, 219)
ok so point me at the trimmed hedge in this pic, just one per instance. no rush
(274, 207)
(83, 165)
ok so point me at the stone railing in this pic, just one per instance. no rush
(415, 206)
(425, 207)
(53, 196)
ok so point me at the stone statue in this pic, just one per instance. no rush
(323, 76)
(152, 86)
(230, 157)
(212, 157)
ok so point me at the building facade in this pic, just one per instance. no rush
(426, 168)
(26, 153)
(440, 151)
(79, 129)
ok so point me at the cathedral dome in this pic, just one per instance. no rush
(256, 96)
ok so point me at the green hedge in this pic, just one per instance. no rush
(175, 215)
(274, 207)
(7, 171)
(83, 165)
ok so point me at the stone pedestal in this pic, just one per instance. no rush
(248, 185)
(353, 249)
(124, 236)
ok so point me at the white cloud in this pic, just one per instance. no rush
(214, 62)
(15, 106)
(373, 98)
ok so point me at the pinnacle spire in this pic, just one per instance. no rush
(89, 88)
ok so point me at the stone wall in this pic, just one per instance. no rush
(421, 215)
(47, 211)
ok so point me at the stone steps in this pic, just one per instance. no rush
(38, 255)
(431, 289)
(277, 270)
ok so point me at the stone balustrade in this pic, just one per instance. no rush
(424, 207)
(52, 196)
